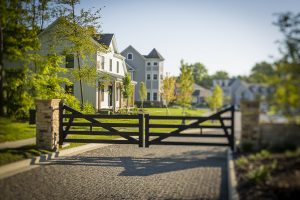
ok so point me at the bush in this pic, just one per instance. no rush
(88, 108)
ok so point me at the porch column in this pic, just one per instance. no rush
(121, 97)
(114, 96)
(99, 96)
(133, 96)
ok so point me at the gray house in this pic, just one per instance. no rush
(238, 90)
(147, 68)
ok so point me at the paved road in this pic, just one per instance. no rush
(126, 172)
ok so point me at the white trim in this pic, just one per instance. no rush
(131, 56)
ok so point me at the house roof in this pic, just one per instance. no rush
(105, 38)
(154, 54)
(129, 68)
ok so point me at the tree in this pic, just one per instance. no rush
(168, 90)
(261, 73)
(127, 89)
(18, 37)
(142, 93)
(186, 88)
(220, 75)
(216, 100)
(287, 70)
(199, 72)
(79, 31)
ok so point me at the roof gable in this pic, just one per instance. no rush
(154, 54)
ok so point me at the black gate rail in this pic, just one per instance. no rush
(194, 124)
(67, 121)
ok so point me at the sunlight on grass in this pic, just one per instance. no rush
(15, 130)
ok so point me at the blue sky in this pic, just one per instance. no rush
(230, 35)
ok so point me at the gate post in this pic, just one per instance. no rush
(47, 124)
(232, 139)
(147, 130)
(141, 130)
(61, 130)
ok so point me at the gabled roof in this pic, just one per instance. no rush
(154, 54)
(129, 67)
(131, 47)
(105, 39)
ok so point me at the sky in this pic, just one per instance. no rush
(230, 35)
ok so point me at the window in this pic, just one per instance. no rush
(117, 66)
(148, 63)
(110, 64)
(129, 56)
(148, 77)
(154, 76)
(154, 96)
(155, 63)
(69, 61)
(161, 77)
(69, 89)
(148, 96)
(102, 63)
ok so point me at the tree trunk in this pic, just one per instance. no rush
(80, 82)
(1, 72)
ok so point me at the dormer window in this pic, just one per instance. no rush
(148, 63)
(129, 56)
(155, 63)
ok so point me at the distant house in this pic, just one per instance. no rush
(238, 90)
(200, 94)
(147, 68)
(112, 63)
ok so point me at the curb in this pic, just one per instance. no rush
(31, 163)
(232, 183)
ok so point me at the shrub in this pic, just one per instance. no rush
(242, 162)
(88, 108)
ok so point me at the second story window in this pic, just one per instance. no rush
(129, 56)
(102, 62)
(110, 64)
(69, 61)
(117, 66)
(148, 77)
(155, 63)
(154, 76)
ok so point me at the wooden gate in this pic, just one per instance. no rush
(161, 122)
(73, 122)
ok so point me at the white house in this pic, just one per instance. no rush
(105, 94)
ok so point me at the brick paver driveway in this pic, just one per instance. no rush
(126, 172)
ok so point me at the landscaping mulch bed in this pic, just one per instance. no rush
(265, 175)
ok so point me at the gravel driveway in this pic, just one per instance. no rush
(126, 172)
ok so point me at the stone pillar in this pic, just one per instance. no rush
(250, 138)
(47, 124)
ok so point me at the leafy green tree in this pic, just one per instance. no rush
(168, 90)
(199, 72)
(220, 75)
(142, 93)
(127, 89)
(18, 38)
(79, 31)
(286, 81)
(186, 81)
(216, 100)
(261, 73)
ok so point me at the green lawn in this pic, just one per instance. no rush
(15, 130)
(16, 154)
